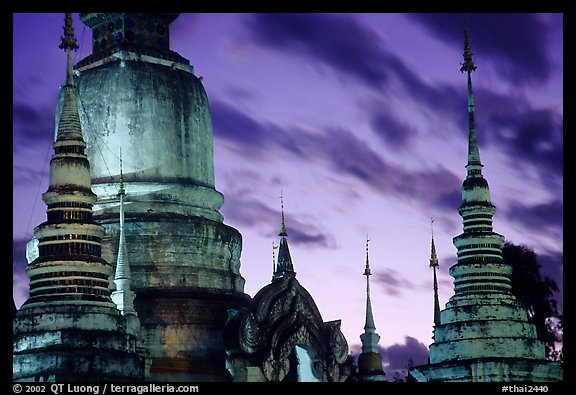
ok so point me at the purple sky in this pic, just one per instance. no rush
(361, 121)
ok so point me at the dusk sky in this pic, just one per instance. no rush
(361, 121)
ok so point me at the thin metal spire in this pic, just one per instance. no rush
(69, 127)
(369, 326)
(370, 360)
(283, 226)
(123, 296)
(68, 44)
(434, 265)
(284, 265)
(474, 165)
(433, 256)
(468, 64)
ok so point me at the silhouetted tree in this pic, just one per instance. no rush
(535, 293)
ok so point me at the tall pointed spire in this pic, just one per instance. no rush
(69, 329)
(474, 165)
(284, 266)
(69, 123)
(370, 360)
(434, 265)
(123, 296)
(283, 226)
(369, 325)
(68, 44)
(70, 230)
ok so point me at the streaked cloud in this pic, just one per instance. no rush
(518, 49)
(392, 282)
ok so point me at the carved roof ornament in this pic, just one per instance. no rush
(281, 316)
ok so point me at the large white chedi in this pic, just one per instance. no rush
(483, 333)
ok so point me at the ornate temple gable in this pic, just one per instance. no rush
(260, 339)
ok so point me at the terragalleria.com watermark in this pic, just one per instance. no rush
(102, 389)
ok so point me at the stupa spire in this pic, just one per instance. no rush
(370, 360)
(123, 296)
(434, 265)
(284, 265)
(68, 44)
(69, 124)
(369, 325)
(69, 230)
(474, 165)
(283, 226)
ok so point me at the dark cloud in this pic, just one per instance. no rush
(547, 217)
(348, 154)
(516, 43)
(337, 41)
(391, 130)
(31, 124)
(392, 282)
(533, 138)
(31, 128)
(353, 50)
(398, 358)
(247, 211)
(231, 124)
(344, 152)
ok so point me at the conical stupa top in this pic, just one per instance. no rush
(283, 226)
(69, 124)
(474, 165)
(122, 265)
(68, 43)
(433, 255)
(123, 296)
(284, 264)
(72, 270)
(468, 64)
(369, 326)
(434, 265)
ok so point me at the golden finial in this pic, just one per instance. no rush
(367, 271)
(283, 227)
(68, 43)
(433, 256)
(68, 40)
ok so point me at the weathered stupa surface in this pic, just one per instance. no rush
(137, 95)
